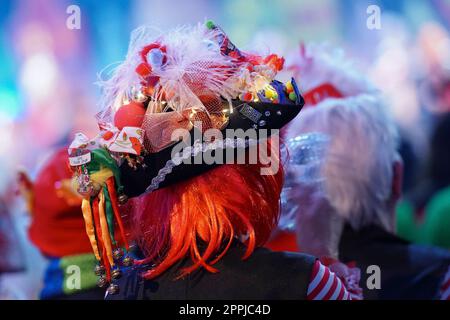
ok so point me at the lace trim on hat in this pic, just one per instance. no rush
(192, 151)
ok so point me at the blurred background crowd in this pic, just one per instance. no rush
(48, 74)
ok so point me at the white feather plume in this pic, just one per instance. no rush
(194, 65)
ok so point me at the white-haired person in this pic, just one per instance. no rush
(343, 182)
(323, 72)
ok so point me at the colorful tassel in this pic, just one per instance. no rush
(109, 215)
(100, 178)
(89, 223)
(112, 191)
(104, 227)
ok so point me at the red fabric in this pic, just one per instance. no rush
(345, 282)
(326, 285)
(283, 241)
(320, 93)
(57, 228)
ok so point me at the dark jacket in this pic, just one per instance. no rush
(264, 275)
(408, 271)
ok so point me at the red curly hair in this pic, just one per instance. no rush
(211, 209)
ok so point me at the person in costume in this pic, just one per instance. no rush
(344, 187)
(324, 73)
(57, 230)
(200, 224)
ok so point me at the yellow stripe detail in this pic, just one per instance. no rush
(89, 223)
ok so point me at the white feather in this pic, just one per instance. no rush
(194, 66)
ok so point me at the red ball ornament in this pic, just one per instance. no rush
(247, 96)
(129, 115)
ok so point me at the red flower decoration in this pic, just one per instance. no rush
(152, 46)
(275, 62)
(144, 69)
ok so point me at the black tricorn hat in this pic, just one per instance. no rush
(169, 166)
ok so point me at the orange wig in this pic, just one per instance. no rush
(200, 217)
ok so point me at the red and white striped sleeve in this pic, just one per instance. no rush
(326, 285)
(445, 288)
